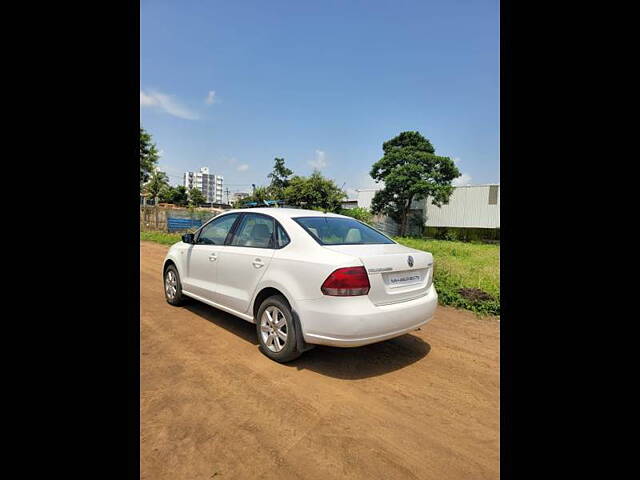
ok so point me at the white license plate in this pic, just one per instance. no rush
(404, 279)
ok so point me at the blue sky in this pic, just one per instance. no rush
(231, 85)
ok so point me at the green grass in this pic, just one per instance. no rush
(161, 237)
(463, 265)
(456, 265)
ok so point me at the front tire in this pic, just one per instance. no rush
(172, 286)
(277, 334)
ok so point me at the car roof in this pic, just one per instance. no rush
(286, 212)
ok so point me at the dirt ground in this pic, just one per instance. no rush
(423, 406)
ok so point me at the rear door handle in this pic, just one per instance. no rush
(213, 257)
(258, 263)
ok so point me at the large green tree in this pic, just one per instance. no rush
(149, 157)
(411, 170)
(279, 177)
(314, 191)
(196, 197)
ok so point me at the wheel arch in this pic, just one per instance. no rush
(172, 259)
(270, 290)
(265, 293)
(168, 262)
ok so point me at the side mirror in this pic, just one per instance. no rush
(188, 238)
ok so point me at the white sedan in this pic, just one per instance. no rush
(303, 277)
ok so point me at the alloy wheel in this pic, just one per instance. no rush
(273, 328)
(171, 284)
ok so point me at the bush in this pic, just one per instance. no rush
(359, 213)
(446, 234)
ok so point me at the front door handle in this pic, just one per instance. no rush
(258, 263)
(213, 257)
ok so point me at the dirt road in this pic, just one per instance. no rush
(423, 406)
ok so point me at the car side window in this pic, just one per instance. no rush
(282, 237)
(215, 232)
(254, 231)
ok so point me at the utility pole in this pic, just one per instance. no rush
(227, 195)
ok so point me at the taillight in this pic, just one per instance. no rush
(346, 282)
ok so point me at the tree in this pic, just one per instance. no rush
(411, 170)
(314, 191)
(180, 196)
(176, 195)
(279, 177)
(149, 157)
(260, 194)
(166, 194)
(196, 197)
(157, 184)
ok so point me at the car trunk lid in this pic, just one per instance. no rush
(396, 273)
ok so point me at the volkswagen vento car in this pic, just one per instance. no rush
(304, 278)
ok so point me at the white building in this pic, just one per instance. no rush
(469, 207)
(210, 185)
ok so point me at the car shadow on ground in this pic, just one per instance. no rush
(231, 323)
(364, 362)
(343, 363)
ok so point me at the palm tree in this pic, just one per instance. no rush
(157, 182)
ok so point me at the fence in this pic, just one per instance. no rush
(389, 226)
(172, 219)
(181, 224)
(385, 224)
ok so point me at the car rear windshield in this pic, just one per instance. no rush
(341, 231)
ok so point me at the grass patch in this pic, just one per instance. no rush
(161, 237)
(459, 269)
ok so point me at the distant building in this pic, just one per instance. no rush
(471, 209)
(352, 203)
(237, 196)
(470, 206)
(210, 185)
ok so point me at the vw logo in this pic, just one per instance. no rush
(410, 261)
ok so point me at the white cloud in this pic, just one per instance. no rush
(166, 103)
(464, 179)
(146, 100)
(319, 161)
(242, 167)
(211, 98)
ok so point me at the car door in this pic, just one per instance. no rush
(202, 257)
(244, 260)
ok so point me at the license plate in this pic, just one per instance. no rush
(404, 279)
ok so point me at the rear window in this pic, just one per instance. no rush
(341, 231)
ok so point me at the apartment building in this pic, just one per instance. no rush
(209, 184)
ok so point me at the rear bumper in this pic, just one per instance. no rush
(356, 321)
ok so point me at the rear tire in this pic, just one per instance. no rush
(277, 332)
(172, 286)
